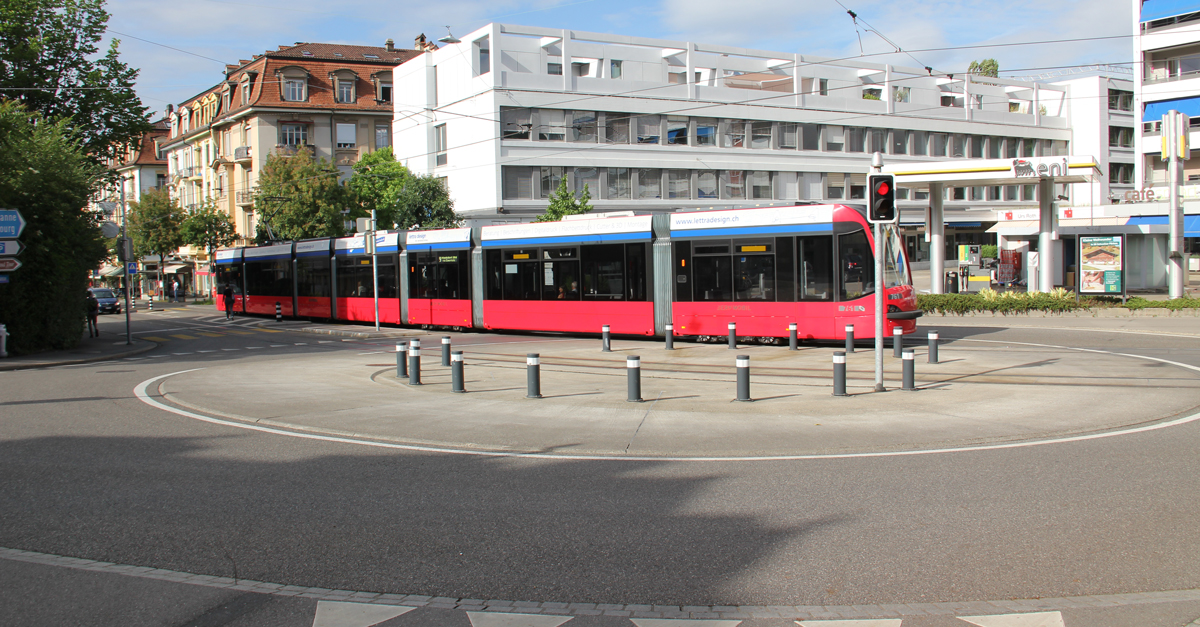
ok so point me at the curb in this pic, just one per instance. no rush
(84, 360)
(362, 335)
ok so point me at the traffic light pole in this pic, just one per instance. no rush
(876, 168)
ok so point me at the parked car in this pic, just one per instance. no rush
(109, 302)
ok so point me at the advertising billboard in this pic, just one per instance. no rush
(1102, 264)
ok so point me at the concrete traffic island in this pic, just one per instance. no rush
(977, 394)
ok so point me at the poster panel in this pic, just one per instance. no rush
(1102, 264)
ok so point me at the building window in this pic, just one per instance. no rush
(383, 137)
(245, 92)
(760, 135)
(614, 68)
(589, 178)
(835, 140)
(994, 148)
(616, 128)
(920, 143)
(1120, 100)
(823, 86)
(706, 184)
(734, 135)
(385, 92)
(346, 135)
(789, 135)
(1120, 137)
(679, 184)
(439, 143)
(677, 130)
(706, 132)
(1120, 173)
(552, 125)
(551, 178)
(649, 129)
(484, 52)
(976, 147)
(878, 139)
(649, 183)
(811, 136)
(554, 68)
(835, 192)
(856, 139)
(583, 127)
(293, 134)
(518, 183)
(620, 184)
(293, 89)
(901, 94)
(760, 185)
(514, 123)
(733, 184)
(345, 90)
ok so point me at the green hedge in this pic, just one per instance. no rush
(1060, 300)
(1137, 302)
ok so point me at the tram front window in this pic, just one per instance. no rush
(895, 270)
(857, 265)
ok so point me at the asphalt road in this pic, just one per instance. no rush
(90, 471)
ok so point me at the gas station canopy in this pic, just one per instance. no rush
(984, 172)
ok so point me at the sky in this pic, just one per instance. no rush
(209, 33)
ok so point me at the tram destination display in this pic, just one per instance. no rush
(1102, 264)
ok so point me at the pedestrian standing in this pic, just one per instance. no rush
(228, 295)
(93, 310)
(175, 291)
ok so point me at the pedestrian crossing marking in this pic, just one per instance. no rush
(496, 619)
(207, 334)
(156, 339)
(683, 622)
(344, 614)
(869, 622)
(268, 330)
(235, 332)
(1032, 619)
(181, 336)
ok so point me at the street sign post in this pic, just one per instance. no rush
(11, 223)
(8, 265)
(10, 247)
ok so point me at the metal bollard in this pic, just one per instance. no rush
(670, 335)
(909, 370)
(150, 303)
(533, 376)
(897, 340)
(733, 335)
(278, 312)
(839, 373)
(933, 346)
(792, 340)
(849, 338)
(445, 350)
(743, 378)
(633, 366)
(3, 340)
(605, 344)
(456, 372)
(401, 360)
(414, 362)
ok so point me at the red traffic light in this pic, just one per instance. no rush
(883, 188)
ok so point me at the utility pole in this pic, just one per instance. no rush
(876, 168)
(374, 267)
(126, 248)
(1175, 150)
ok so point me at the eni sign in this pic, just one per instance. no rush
(1028, 168)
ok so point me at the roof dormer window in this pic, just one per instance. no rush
(344, 86)
(294, 84)
(373, 57)
(306, 53)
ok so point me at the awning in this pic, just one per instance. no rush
(174, 268)
(1161, 9)
(112, 271)
(1015, 227)
(1155, 110)
(1191, 224)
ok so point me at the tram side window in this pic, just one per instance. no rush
(713, 269)
(269, 278)
(635, 272)
(494, 281)
(452, 275)
(421, 275)
(815, 256)
(521, 280)
(682, 272)
(560, 274)
(388, 285)
(785, 270)
(229, 274)
(857, 265)
(603, 272)
(754, 270)
(354, 277)
(313, 276)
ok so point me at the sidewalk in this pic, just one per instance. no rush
(90, 349)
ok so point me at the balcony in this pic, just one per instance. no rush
(291, 149)
(244, 198)
(192, 172)
(242, 153)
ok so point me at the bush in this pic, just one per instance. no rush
(988, 251)
(1059, 300)
(1137, 302)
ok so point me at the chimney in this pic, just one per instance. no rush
(170, 109)
(419, 42)
(390, 45)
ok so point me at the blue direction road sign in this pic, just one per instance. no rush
(131, 267)
(11, 223)
(3, 278)
(10, 247)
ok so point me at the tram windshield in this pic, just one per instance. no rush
(895, 268)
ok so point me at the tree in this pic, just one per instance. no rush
(986, 67)
(49, 63)
(46, 175)
(563, 203)
(300, 198)
(154, 223)
(400, 198)
(208, 228)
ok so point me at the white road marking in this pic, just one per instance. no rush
(871, 622)
(231, 349)
(1034, 619)
(497, 619)
(250, 348)
(207, 351)
(877, 622)
(278, 345)
(301, 343)
(181, 353)
(324, 341)
(683, 622)
(343, 614)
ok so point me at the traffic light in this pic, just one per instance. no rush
(883, 198)
(123, 249)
